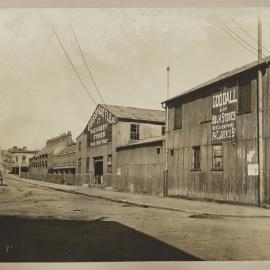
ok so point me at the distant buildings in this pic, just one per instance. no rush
(5, 160)
(45, 160)
(19, 159)
(65, 161)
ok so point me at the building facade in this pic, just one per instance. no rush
(140, 167)
(213, 138)
(43, 162)
(5, 160)
(108, 128)
(20, 159)
(65, 161)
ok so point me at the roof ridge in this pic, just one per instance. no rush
(128, 107)
(220, 77)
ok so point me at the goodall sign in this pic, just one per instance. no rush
(224, 110)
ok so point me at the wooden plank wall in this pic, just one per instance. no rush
(266, 132)
(121, 132)
(232, 183)
(141, 170)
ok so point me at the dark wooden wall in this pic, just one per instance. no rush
(232, 183)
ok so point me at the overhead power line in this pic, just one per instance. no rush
(85, 62)
(74, 68)
(238, 36)
(248, 34)
(235, 37)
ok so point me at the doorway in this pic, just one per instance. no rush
(98, 170)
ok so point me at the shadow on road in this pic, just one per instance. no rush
(50, 240)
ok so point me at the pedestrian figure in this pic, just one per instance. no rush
(1, 177)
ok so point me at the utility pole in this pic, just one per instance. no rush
(260, 117)
(165, 191)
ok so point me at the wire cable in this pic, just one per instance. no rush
(238, 36)
(248, 34)
(85, 62)
(78, 75)
(233, 37)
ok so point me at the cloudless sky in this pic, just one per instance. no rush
(127, 50)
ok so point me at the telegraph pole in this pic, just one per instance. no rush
(260, 117)
(165, 192)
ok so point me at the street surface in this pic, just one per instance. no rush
(38, 224)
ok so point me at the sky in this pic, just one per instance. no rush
(127, 51)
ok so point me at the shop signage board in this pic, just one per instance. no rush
(224, 111)
(99, 128)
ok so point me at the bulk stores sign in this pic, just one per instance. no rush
(99, 128)
(224, 110)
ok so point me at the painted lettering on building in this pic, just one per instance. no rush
(224, 111)
(99, 128)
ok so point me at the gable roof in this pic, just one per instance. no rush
(221, 77)
(136, 114)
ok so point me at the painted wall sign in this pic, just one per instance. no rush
(224, 110)
(99, 128)
(253, 169)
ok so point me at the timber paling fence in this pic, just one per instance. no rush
(67, 179)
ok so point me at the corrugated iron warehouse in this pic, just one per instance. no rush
(213, 138)
(111, 127)
(212, 144)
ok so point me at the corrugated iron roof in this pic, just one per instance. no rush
(55, 149)
(68, 150)
(136, 114)
(221, 77)
(142, 142)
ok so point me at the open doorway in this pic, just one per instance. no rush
(98, 170)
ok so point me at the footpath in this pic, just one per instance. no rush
(197, 208)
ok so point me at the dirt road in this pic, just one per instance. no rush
(41, 224)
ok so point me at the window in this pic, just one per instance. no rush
(80, 146)
(196, 158)
(109, 132)
(23, 159)
(158, 150)
(87, 164)
(217, 154)
(17, 159)
(79, 165)
(109, 164)
(244, 97)
(134, 132)
(163, 130)
(172, 152)
(178, 117)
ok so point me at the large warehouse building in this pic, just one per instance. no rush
(213, 138)
(109, 128)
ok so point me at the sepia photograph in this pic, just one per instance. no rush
(134, 134)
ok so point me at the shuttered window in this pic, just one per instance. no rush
(109, 132)
(178, 117)
(244, 97)
(87, 164)
(79, 165)
(109, 164)
(196, 158)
